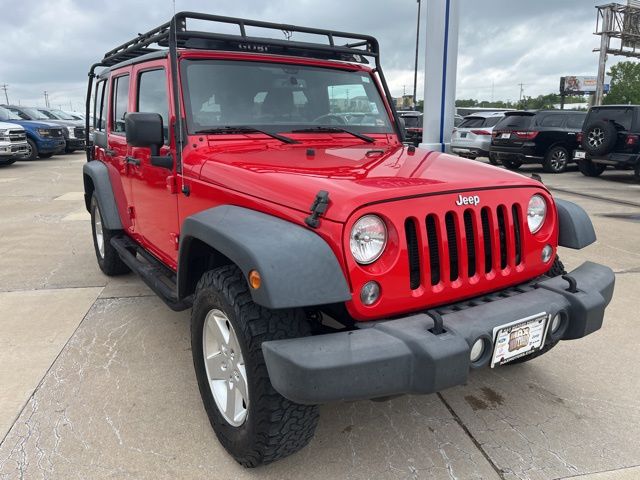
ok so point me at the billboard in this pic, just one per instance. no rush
(581, 85)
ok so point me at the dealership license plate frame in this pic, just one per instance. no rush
(540, 323)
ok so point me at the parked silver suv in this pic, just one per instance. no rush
(13, 143)
(472, 138)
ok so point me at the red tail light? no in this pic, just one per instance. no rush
(480, 132)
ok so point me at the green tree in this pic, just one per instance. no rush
(625, 84)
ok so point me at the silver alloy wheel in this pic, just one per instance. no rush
(225, 367)
(595, 137)
(558, 159)
(97, 227)
(29, 150)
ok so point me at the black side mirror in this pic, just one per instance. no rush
(146, 130)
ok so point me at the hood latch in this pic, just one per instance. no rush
(319, 206)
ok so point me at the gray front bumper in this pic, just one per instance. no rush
(402, 356)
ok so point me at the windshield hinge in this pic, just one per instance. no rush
(319, 206)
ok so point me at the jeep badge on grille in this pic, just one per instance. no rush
(471, 200)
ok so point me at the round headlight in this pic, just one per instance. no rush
(368, 239)
(536, 213)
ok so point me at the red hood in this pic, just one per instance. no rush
(353, 175)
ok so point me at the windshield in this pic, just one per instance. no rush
(61, 115)
(7, 115)
(32, 113)
(280, 98)
(48, 114)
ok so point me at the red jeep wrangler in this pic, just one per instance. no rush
(264, 184)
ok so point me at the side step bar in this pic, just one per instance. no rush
(158, 277)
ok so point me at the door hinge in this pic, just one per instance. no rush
(175, 239)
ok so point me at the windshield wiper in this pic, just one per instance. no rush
(246, 129)
(366, 138)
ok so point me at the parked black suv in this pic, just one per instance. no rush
(547, 137)
(412, 126)
(610, 137)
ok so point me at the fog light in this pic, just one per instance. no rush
(477, 350)
(556, 321)
(546, 253)
(370, 293)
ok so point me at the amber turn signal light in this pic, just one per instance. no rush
(254, 279)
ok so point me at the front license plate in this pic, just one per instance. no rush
(505, 136)
(579, 154)
(519, 338)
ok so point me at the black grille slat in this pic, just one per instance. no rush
(516, 233)
(471, 243)
(486, 235)
(413, 252)
(452, 239)
(434, 255)
(502, 229)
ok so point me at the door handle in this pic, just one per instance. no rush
(132, 161)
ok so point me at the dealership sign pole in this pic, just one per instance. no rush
(441, 62)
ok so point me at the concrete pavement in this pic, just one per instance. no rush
(96, 379)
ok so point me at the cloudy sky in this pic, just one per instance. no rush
(50, 45)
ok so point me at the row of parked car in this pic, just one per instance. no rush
(27, 133)
(603, 136)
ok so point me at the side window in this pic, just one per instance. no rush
(552, 121)
(99, 106)
(575, 121)
(491, 121)
(120, 103)
(153, 97)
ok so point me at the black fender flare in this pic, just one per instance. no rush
(575, 228)
(99, 175)
(297, 267)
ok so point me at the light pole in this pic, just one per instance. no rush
(415, 71)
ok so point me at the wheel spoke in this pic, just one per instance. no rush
(232, 400)
(215, 364)
(242, 383)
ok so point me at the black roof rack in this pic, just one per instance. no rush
(175, 34)
(356, 49)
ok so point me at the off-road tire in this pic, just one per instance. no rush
(33, 150)
(556, 269)
(607, 137)
(590, 169)
(511, 164)
(274, 426)
(556, 160)
(110, 262)
(45, 155)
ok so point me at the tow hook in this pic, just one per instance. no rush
(438, 323)
(573, 285)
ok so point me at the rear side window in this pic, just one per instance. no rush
(575, 121)
(472, 122)
(622, 117)
(100, 107)
(515, 121)
(551, 121)
(153, 97)
(120, 103)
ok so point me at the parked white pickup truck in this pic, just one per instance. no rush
(13, 143)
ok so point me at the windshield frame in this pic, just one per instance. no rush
(383, 107)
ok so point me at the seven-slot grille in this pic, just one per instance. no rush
(460, 245)
(17, 136)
